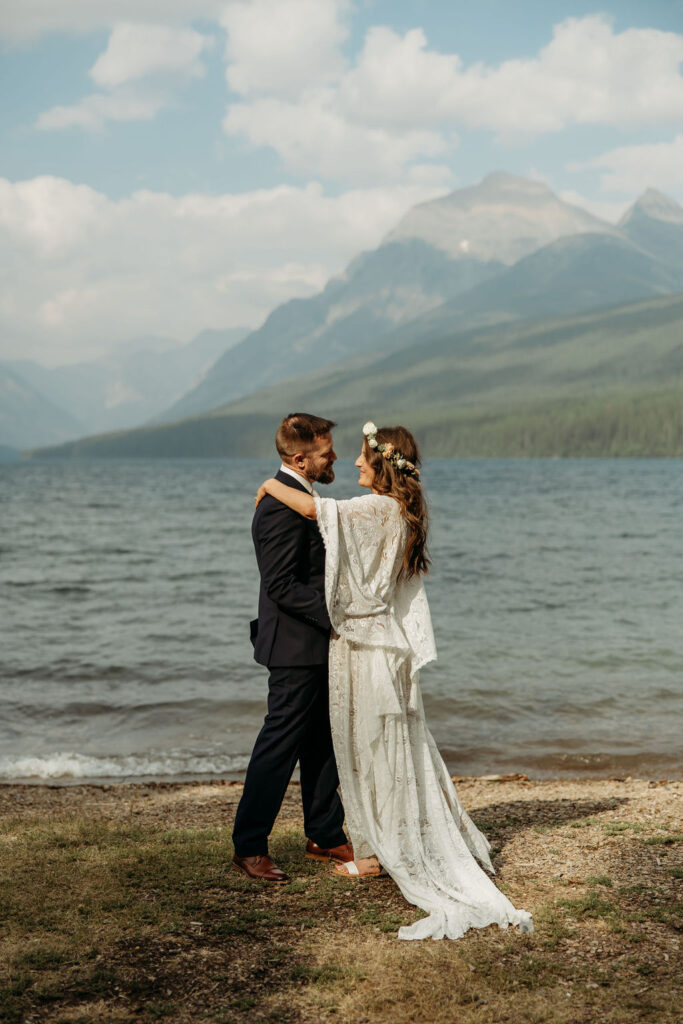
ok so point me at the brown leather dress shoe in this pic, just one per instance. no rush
(342, 854)
(261, 868)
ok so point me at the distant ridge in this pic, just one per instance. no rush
(572, 274)
(607, 382)
(378, 291)
(655, 223)
(8, 454)
(28, 417)
(655, 205)
(504, 249)
(121, 389)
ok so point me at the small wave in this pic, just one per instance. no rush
(70, 765)
(42, 585)
(645, 763)
(201, 573)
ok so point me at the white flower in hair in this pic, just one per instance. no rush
(400, 463)
(372, 441)
(369, 428)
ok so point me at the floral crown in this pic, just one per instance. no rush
(388, 451)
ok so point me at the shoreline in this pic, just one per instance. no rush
(668, 769)
(477, 786)
(166, 781)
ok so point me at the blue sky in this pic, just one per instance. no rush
(170, 165)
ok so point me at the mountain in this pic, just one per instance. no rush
(27, 417)
(504, 218)
(489, 266)
(439, 251)
(604, 382)
(577, 273)
(655, 223)
(126, 387)
(568, 276)
(8, 454)
(379, 290)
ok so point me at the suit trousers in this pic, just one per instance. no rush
(296, 728)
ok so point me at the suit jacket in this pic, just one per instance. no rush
(293, 626)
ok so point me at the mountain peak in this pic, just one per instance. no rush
(503, 181)
(657, 205)
(502, 218)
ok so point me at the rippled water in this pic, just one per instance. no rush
(126, 590)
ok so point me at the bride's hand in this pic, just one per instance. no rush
(261, 493)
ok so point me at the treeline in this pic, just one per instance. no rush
(201, 437)
(613, 425)
(610, 425)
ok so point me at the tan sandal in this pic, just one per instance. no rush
(350, 870)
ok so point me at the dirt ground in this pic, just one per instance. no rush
(119, 903)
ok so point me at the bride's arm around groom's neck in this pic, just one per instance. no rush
(297, 500)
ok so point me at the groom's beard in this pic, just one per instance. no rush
(325, 476)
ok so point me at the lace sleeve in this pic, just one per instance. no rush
(363, 539)
(364, 546)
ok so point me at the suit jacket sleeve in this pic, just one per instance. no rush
(282, 535)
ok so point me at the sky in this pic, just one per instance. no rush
(168, 166)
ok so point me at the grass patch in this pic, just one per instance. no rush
(129, 920)
(590, 906)
(42, 959)
(614, 827)
(380, 919)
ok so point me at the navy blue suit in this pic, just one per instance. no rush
(290, 637)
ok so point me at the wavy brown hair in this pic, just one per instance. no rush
(406, 489)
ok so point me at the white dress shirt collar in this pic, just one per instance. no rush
(297, 476)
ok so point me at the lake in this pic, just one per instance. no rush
(126, 590)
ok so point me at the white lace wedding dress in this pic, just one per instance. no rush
(399, 800)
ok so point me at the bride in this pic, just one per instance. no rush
(402, 811)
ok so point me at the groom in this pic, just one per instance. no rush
(291, 637)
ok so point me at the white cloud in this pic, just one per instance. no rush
(312, 136)
(47, 216)
(283, 46)
(397, 81)
(84, 272)
(401, 97)
(92, 112)
(285, 57)
(634, 168)
(139, 67)
(23, 20)
(136, 51)
(381, 115)
(587, 74)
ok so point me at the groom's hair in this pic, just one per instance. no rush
(298, 431)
